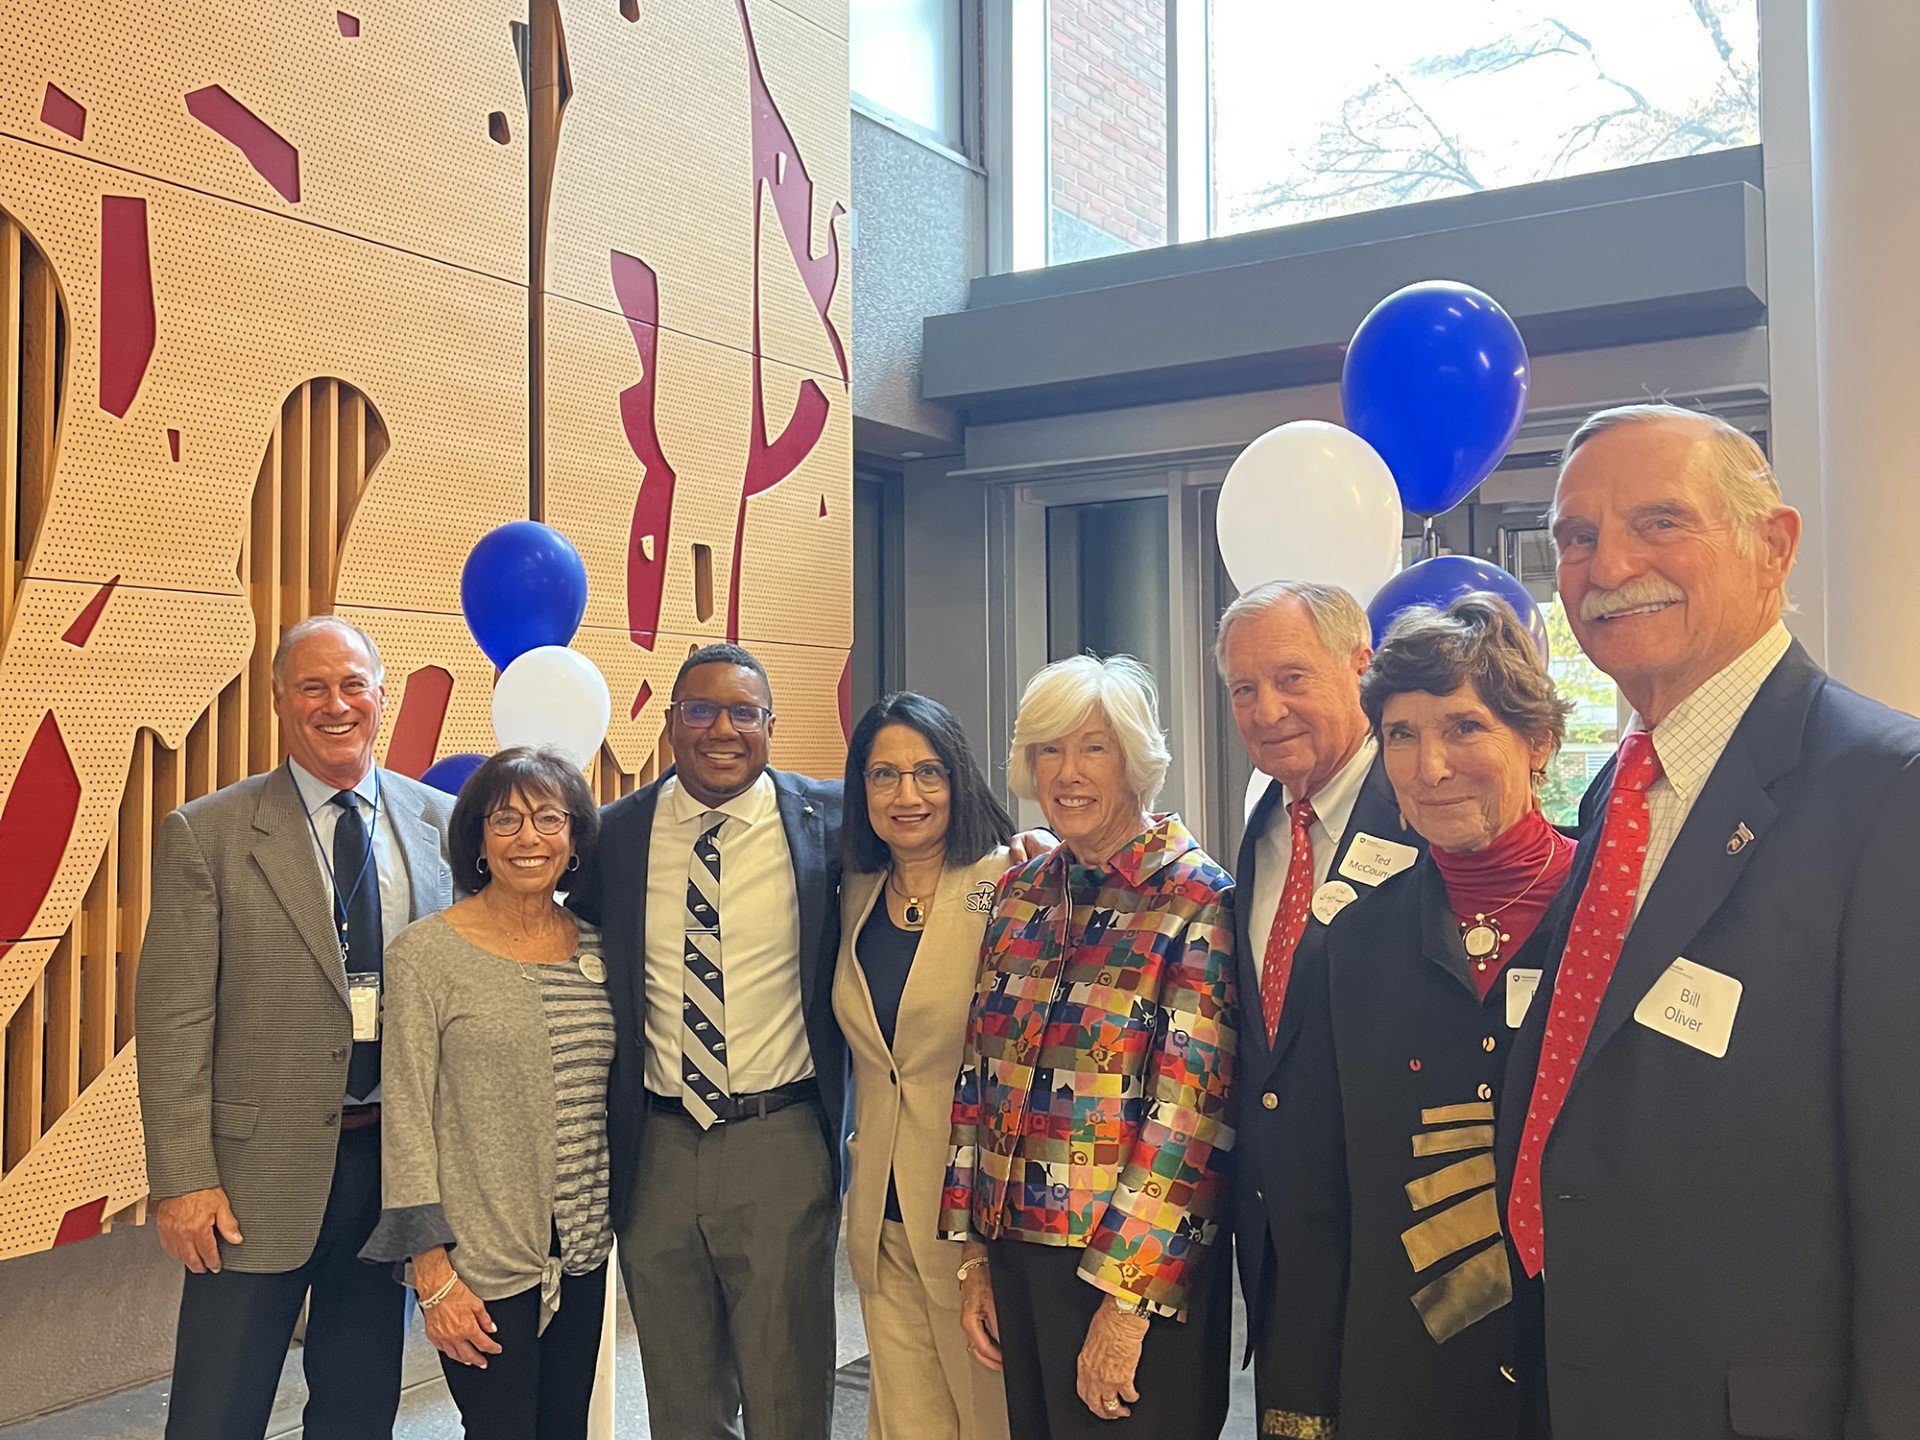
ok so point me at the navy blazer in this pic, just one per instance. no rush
(1733, 1245)
(1258, 1150)
(611, 892)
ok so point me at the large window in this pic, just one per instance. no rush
(1136, 122)
(906, 60)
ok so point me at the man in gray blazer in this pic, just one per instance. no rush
(257, 1026)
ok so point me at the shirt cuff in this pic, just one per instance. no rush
(405, 1232)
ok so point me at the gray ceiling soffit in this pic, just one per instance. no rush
(1652, 267)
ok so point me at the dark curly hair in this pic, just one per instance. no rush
(1477, 638)
(537, 774)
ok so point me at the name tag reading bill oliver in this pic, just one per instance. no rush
(1693, 1005)
(1371, 860)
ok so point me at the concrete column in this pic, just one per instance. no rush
(1866, 206)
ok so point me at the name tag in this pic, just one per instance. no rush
(1331, 898)
(1693, 1005)
(1520, 987)
(1370, 860)
(363, 1003)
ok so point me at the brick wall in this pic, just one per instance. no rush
(1108, 88)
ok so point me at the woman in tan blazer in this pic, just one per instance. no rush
(925, 842)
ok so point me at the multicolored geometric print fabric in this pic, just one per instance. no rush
(1091, 1107)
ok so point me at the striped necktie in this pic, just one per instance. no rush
(703, 1009)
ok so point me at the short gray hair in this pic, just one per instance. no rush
(312, 625)
(1064, 695)
(1337, 617)
(1738, 467)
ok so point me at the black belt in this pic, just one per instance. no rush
(757, 1106)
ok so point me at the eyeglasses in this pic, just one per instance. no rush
(885, 779)
(700, 715)
(545, 822)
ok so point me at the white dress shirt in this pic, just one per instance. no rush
(1691, 740)
(759, 940)
(396, 895)
(1273, 851)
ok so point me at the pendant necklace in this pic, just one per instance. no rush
(915, 912)
(1482, 939)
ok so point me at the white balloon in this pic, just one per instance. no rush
(555, 697)
(1310, 501)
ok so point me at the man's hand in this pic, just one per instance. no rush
(1031, 845)
(1108, 1359)
(187, 1223)
(978, 1316)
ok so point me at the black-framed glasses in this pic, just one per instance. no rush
(700, 715)
(885, 779)
(505, 823)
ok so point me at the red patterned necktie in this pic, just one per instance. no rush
(1289, 921)
(1593, 949)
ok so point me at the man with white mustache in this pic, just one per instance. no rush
(1709, 1153)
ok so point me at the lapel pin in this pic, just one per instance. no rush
(1740, 839)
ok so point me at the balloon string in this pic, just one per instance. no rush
(1429, 541)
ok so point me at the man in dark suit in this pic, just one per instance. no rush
(716, 889)
(1326, 831)
(1709, 1140)
(259, 1053)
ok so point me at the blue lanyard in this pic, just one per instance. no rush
(342, 905)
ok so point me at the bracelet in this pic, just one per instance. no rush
(427, 1302)
(968, 1266)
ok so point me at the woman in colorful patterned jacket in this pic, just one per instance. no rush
(1089, 1120)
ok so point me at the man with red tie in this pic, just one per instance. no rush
(1709, 1140)
(1322, 835)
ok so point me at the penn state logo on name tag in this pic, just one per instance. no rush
(1694, 1005)
(593, 967)
(1520, 987)
(1371, 860)
(1331, 898)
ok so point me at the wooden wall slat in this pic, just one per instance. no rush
(25, 1037)
(60, 1083)
(12, 565)
(39, 384)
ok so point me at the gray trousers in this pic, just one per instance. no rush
(727, 1254)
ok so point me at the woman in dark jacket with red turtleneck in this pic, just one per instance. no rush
(1400, 1321)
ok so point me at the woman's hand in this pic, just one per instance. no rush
(978, 1317)
(459, 1326)
(1108, 1360)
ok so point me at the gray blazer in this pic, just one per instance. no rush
(241, 1021)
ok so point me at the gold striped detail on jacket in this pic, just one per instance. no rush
(1293, 1426)
(1465, 1294)
(1446, 1142)
(1474, 1219)
(1455, 1114)
(1451, 1180)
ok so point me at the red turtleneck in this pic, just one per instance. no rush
(1480, 882)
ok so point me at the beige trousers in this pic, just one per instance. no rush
(925, 1384)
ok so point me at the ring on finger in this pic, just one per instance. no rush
(1112, 1405)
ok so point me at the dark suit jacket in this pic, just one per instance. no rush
(1394, 1307)
(1733, 1245)
(611, 892)
(1259, 1157)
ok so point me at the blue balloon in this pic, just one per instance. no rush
(523, 586)
(1436, 381)
(1444, 579)
(451, 772)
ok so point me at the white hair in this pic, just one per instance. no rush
(1738, 467)
(1342, 625)
(1063, 696)
(301, 629)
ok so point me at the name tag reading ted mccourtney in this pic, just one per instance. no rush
(1693, 1005)
(1371, 860)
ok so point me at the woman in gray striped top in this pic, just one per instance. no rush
(497, 1039)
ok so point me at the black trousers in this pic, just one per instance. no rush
(1044, 1309)
(539, 1387)
(235, 1328)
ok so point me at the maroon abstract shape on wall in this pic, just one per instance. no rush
(60, 111)
(640, 700)
(266, 149)
(35, 826)
(81, 630)
(770, 462)
(349, 24)
(416, 729)
(127, 325)
(82, 1222)
(173, 445)
(637, 288)
(846, 700)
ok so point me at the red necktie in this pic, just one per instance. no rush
(1289, 921)
(1593, 949)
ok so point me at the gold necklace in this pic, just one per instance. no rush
(1481, 940)
(916, 912)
